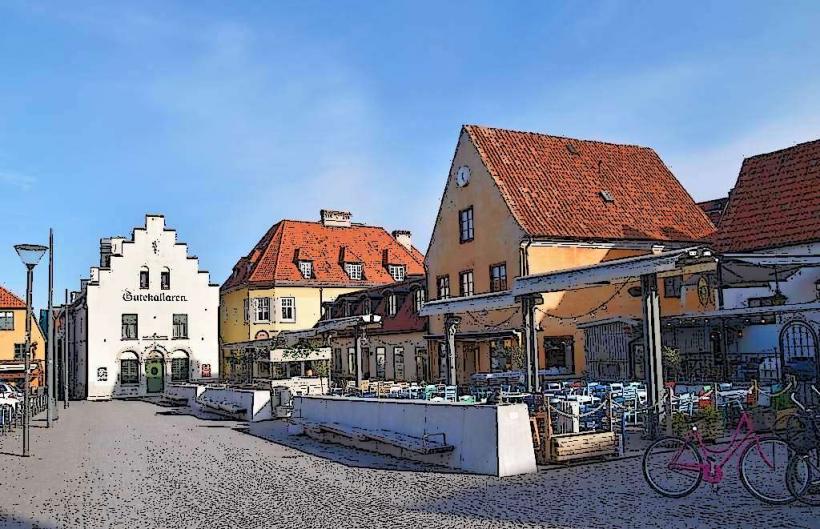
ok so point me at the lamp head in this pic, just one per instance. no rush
(30, 254)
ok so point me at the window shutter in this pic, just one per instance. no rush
(254, 314)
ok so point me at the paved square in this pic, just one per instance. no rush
(136, 465)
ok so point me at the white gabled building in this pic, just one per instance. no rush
(147, 317)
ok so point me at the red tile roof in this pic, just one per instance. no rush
(9, 300)
(554, 186)
(714, 208)
(275, 257)
(776, 201)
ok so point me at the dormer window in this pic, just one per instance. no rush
(354, 270)
(398, 272)
(391, 304)
(306, 267)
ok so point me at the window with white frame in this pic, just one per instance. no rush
(354, 270)
(391, 304)
(467, 285)
(418, 299)
(129, 371)
(129, 326)
(306, 267)
(180, 322)
(498, 277)
(19, 351)
(262, 309)
(6, 320)
(398, 272)
(443, 284)
(288, 309)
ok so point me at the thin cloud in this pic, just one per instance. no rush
(17, 180)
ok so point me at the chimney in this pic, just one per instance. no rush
(403, 237)
(331, 217)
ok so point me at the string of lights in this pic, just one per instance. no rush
(602, 306)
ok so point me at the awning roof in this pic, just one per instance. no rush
(609, 271)
(742, 312)
(491, 301)
(349, 322)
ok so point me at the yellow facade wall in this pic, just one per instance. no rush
(18, 335)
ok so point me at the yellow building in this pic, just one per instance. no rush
(298, 266)
(13, 340)
(521, 203)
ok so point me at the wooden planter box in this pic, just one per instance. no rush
(573, 447)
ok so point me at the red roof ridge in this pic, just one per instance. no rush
(784, 149)
(558, 136)
(10, 300)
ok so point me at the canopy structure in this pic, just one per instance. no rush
(763, 268)
(609, 272)
(481, 302)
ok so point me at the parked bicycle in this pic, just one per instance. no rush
(803, 435)
(674, 467)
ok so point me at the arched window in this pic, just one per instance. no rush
(180, 367)
(798, 342)
(390, 302)
(165, 279)
(129, 368)
(144, 278)
(418, 299)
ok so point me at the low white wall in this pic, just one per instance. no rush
(492, 440)
(189, 392)
(256, 402)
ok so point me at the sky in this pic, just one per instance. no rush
(228, 116)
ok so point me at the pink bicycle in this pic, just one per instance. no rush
(675, 466)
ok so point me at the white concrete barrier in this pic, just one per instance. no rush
(252, 405)
(492, 440)
(186, 393)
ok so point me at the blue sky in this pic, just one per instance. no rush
(227, 116)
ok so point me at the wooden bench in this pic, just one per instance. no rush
(572, 447)
(431, 443)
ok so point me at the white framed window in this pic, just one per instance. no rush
(262, 309)
(246, 309)
(6, 320)
(354, 270)
(288, 306)
(180, 323)
(306, 267)
(398, 272)
(391, 304)
(418, 299)
(467, 284)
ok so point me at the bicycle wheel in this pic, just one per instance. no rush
(803, 477)
(672, 467)
(762, 469)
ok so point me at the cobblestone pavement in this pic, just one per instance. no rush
(135, 465)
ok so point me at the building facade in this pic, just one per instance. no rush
(521, 203)
(147, 317)
(396, 348)
(13, 342)
(296, 268)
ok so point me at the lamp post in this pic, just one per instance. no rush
(30, 254)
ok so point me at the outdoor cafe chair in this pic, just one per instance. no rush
(451, 393)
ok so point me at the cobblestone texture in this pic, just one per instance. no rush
(135, 465)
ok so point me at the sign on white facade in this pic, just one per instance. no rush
(150, 316)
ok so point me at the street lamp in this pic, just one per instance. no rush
(30, 254)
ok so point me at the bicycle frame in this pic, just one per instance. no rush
(711, 470)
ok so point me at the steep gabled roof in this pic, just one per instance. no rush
(775, 202)
(714, 208)
(9, 301)
(275, 257)
(580, 189)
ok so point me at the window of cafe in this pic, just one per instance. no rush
(559, 352)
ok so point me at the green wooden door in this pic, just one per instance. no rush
(154, 376)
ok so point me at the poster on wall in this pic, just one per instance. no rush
(206, 370)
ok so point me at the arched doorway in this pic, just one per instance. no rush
(154, 373)
(798, 350)
(180, 366)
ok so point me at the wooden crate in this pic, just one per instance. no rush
(573, 447)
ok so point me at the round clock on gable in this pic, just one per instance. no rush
(463, 176)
